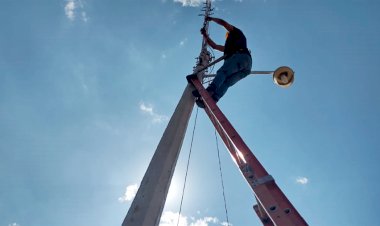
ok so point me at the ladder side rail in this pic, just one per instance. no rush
(215, 112)
(270, 197)
(226, 140)
(278, 207)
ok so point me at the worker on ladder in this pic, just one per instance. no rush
(237, 61)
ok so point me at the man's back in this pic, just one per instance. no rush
(235, 42)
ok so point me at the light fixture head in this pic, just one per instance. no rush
(283, 76)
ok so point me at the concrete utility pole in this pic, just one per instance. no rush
(147, 206)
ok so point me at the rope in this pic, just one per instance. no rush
(221, 179)
(187, 167)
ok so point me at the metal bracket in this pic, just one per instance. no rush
(252, 72)
(247, 171)
(262, 180)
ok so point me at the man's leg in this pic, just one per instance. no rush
(242, 67)
(229, 67)
(228, 83)
(219, 79)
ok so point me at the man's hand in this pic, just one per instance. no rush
(211, 42)
(203, 32)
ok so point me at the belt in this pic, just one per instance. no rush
(243, 51)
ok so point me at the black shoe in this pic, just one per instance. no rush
(190, 77)
(200, 103)
(211, 89)
(196, 93)
(215, 98)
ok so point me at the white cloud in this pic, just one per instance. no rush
(13, 224)
(302, 180)
(183, 42)
(73, 7)
(130, 193)
(145, 108)
(84, 16)
(192, 3)
(69, 9)
(156, 118)
(225, 224)
(169, 218)
(204, 221)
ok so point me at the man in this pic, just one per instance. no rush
(237, 63)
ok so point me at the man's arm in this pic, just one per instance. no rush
(221, 22)
(214, 45)
(211, 42)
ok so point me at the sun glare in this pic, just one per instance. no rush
(174, 191)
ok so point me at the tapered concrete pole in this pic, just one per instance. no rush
(147, 206)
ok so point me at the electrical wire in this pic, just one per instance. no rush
(187, 167)
(221, 178)
(212, 54)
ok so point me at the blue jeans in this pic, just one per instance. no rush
(235, 68)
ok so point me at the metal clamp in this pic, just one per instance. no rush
(262, 180)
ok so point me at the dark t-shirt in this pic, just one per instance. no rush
(235, 42)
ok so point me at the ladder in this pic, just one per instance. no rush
(273, 207)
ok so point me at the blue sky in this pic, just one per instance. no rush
(87, 88)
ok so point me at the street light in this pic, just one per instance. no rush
(282, 76)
